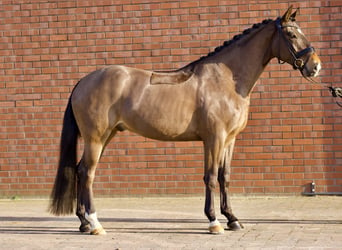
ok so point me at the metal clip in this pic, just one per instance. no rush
(298, 63)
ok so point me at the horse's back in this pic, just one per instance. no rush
(120, 97)
(109, 79)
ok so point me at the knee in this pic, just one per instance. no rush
(224, 179)
(210, 181)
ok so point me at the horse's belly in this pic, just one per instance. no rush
(162, 126)
(164, 120)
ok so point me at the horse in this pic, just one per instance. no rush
(207, 100)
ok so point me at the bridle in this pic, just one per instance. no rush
(298, 62)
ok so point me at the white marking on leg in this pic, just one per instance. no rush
(214, 223)
(215, 227)
(94, 223)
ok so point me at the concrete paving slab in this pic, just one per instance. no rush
(177, 223)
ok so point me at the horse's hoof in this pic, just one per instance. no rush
(215, 227)
(235, 226)
(98, 231)
(84, 228)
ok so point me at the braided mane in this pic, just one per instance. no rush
(231, 41)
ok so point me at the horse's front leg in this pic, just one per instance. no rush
(211, 150)
(224, 179)
(85, 203)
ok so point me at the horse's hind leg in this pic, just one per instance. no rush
(80, 210)
(86, 173)
(223, 178)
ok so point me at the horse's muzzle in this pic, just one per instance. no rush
(312, 67)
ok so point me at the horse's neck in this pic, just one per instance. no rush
(248, 58)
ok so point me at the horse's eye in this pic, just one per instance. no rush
(292, 35)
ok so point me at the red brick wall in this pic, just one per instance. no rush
(294, 131)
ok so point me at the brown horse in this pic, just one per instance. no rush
(207, 100)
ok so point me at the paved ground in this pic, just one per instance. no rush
(177, 223)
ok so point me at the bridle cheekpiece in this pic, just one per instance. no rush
(298, 62)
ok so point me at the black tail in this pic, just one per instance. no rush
(64, 191)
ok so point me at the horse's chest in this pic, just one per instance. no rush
(236, 120)
(229, 114)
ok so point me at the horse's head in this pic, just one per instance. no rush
(291, 46)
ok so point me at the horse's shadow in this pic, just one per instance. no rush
(19, 225)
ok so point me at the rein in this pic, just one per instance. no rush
(298, 63)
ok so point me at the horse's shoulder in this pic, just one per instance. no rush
(170, 77)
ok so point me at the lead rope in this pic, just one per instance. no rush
(336, 92)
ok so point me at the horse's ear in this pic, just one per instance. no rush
(286, 17)
(293, 16)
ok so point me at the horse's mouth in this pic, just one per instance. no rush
(314, 72)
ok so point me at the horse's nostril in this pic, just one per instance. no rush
(316, 69)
